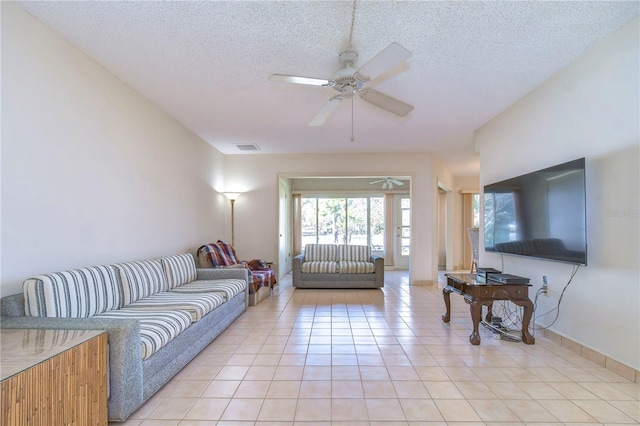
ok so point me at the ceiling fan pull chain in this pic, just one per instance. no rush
(353, 20)
(352, 138)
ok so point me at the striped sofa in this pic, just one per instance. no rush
(338, 266)
(159, 314)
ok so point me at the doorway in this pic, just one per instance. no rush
(284, 228)
(372, 213)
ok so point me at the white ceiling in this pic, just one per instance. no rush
(207, 64)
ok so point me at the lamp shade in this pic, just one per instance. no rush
(232, 195)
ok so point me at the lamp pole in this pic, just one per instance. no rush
(232, 196)
(232, 202)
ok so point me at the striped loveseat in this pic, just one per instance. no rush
(158, 314)
(338, 266)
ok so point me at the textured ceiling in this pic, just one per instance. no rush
(207, 64)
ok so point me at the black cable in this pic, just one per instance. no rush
(535, 304)
(505, 333)
(511, 317)
(535, 308)
(557, 308)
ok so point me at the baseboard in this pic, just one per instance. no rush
(617, 367)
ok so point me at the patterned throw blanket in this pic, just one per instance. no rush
(222, 255)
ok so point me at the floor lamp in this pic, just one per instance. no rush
(232, 196)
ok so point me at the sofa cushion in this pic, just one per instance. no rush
(157, 328)
(319, 267)
(354, 252)
(179, 269)
(78, 293)
(197, 304)
(353, 267)
(140, 279)
(320, 253)
(229, 288)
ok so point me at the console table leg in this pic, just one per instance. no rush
(489, 313)
(447, 303)
(526, 318)
(476, 315)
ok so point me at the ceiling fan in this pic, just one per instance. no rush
(349, 80)
(387, 183)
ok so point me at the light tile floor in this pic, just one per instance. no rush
(382, 357)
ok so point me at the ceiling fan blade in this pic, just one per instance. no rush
(326, 111)
(396, 181)
(309, 81)
(377, 181)
(388, 58)
(398, 69)
(383, 101)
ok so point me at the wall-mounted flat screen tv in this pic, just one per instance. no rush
(540, 214)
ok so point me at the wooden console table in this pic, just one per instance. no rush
(53, 377)
(477, 294)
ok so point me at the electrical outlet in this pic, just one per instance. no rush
(545, 285)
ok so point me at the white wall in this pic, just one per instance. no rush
(590, 109)
(256, 211)
(92, 173)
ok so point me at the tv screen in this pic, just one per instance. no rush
(540, 214)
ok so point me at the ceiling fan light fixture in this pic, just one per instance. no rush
(347, 58)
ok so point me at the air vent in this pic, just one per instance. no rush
(247, 147)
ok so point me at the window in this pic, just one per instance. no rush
(499, 218)
(376, 223)
(476, 210)
(309, 221)
(357, 232)
(405, 226)
(355, 220)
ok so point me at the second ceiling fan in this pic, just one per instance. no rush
(387, 183)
